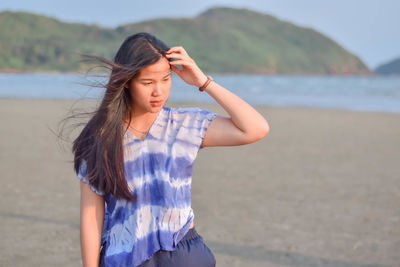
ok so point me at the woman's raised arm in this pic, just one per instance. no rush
(244, 126)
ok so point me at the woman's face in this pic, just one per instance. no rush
(152, 84)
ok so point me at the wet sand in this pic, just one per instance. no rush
(321, 189)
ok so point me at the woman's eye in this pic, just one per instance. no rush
(151, 83)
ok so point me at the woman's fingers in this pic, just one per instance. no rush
(178, 62)
(178, 56)
(176, 69)
(190, 72)
(177, 49)
(175, 55)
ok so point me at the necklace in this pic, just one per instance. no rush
(143, 133)
(138, 130)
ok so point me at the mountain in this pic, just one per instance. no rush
(389, 68)
(32, 42)
(220, 40)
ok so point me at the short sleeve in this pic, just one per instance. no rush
(82, 175)
(201, 119)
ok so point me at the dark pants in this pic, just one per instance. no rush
(190, 251)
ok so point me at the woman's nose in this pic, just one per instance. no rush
(157, 89)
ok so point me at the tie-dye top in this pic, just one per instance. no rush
(159, 170)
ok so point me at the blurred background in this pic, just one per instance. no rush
(321, 189)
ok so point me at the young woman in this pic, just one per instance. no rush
(135, 157)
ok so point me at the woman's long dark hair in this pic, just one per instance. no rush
(100, 142)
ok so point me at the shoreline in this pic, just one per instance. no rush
(188, 103)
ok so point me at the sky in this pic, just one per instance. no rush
(370, 29)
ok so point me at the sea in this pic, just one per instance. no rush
(358, 93)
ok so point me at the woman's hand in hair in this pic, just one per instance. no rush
(190, 72)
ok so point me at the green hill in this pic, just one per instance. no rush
(221, 40)
(34, 42)
(390, 68)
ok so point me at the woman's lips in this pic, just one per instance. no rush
(156, 103)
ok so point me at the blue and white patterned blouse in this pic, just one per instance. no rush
(159, 170)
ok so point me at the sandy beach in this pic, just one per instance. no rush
(321, 189)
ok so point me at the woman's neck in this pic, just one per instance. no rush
(142, 121)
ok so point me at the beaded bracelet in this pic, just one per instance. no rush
(209, 79)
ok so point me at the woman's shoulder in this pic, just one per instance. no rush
(183, 111)
(190, 113)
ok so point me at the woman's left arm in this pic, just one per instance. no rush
(244, 126)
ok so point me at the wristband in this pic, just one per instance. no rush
(209, 79)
